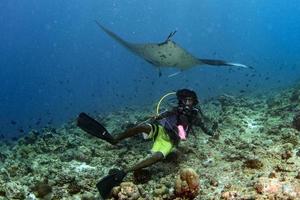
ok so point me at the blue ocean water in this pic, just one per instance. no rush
(55, 62)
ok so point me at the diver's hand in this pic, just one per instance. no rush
(215, 135)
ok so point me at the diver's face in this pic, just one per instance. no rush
(188, 101)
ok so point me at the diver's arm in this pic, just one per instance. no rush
(206, 130)
(199, 121)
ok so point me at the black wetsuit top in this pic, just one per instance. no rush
(185, 117)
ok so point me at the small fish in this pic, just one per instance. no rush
(38, 122)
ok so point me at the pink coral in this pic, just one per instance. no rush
(276, 187)
(229, 195)
(187, 184)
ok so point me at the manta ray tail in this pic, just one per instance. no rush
(223, 63)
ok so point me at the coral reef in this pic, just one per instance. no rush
(187, 184)
(296, 122)
(42, 190)
(253, 164)
(255, 156)
(141, 176)
(126, 191)
(278, 189)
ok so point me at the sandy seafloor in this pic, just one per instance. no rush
(255, 156)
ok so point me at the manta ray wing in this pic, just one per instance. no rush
(166, 54)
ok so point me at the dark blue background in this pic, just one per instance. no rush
(55, 61)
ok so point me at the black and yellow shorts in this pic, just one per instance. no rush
(162, 142)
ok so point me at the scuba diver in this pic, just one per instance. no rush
(166, 130)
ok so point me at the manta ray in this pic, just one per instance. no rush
(167, 53)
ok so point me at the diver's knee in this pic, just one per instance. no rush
(115, 141)
(146, 128)
(158, 155)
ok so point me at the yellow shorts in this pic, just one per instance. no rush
(162, 142)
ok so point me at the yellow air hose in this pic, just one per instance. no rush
(158, 105)
(161, 99)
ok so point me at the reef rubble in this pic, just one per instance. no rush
(254, 156)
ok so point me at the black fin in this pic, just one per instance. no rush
(94, 128)
(214, 62)
(106, 184)
(171, 35)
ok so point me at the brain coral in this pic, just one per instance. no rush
(187, 184)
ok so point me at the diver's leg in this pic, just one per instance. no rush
(154, 158)
(93, 127)
(146, 128)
